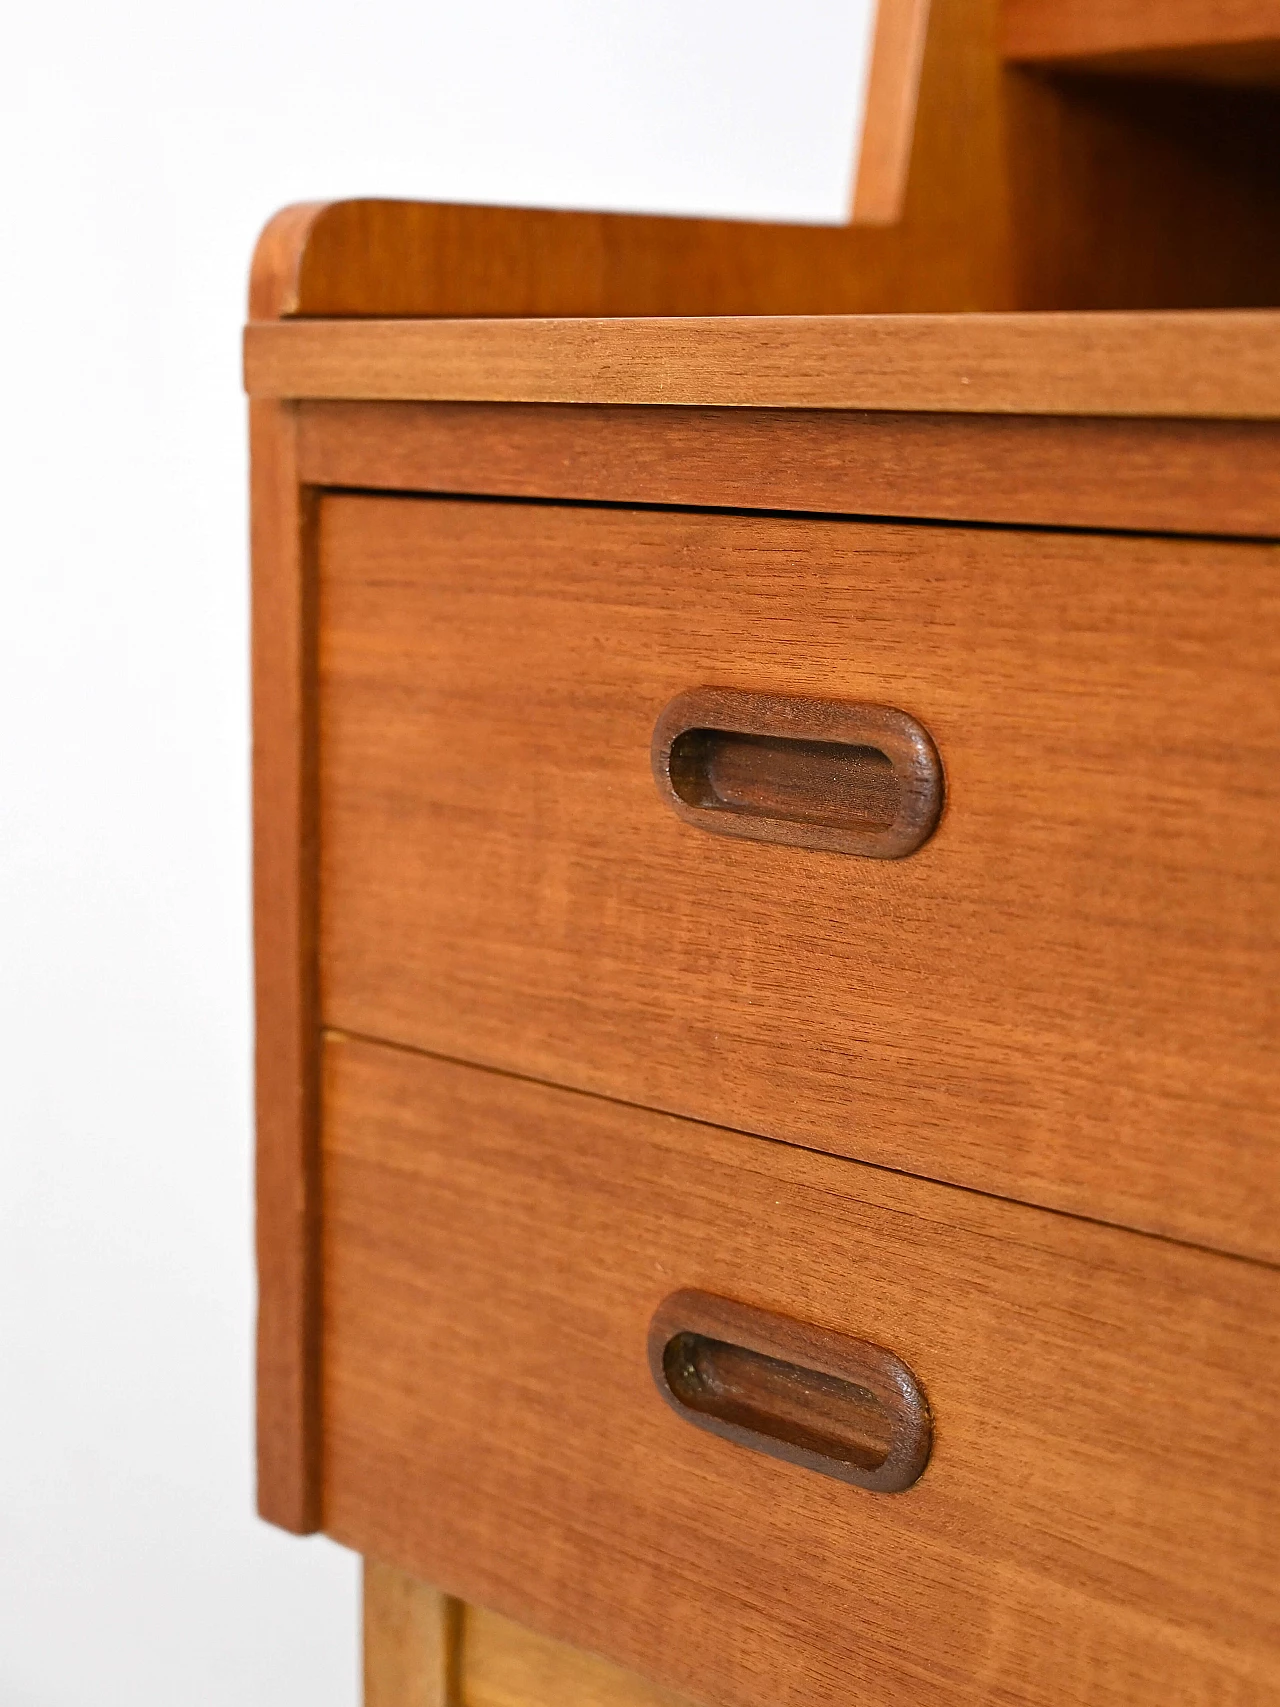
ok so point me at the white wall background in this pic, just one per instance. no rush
(142, 145)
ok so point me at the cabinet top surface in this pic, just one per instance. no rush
(1188, 364)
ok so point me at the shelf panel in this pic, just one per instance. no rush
(1209, 41)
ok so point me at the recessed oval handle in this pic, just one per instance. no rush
(841, 777)
(828, 1402)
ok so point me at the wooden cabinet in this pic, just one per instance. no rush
(632, 1194)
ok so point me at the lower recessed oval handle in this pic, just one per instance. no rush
(846, 778)
(831, 1403)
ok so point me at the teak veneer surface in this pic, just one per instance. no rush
(1212, 364)
(1098, 1526)
(1230, 41)
(1067, 996)
(1173, 476)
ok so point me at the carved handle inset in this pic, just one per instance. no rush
(837, 1405)
(845, 778)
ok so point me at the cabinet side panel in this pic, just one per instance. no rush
(284, 955)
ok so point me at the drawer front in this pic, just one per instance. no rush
(1098, 1524)
(1067, 995)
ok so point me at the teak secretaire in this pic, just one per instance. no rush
(767, 756)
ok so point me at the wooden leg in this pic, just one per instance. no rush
(410, 1641)
(508, 1666)
(422, 1649)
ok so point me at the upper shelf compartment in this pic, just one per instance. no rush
(1201, 41)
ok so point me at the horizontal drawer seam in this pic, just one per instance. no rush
(338, 1033)
(968, 524)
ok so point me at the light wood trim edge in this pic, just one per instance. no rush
(1222, 364)
(287, 1034)
(889, 121)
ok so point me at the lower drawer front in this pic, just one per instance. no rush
(1099, 1521)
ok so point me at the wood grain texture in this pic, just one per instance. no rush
(411, 1641)
(1170, 476)
(1237, 41)
(1067, 996)
(284, 962)
(1224, 365)
(1099, 1525)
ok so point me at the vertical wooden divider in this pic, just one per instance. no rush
(284, 862)
(889, 125)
